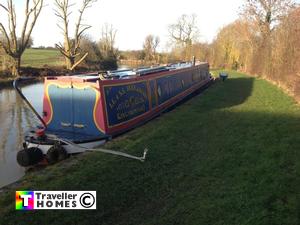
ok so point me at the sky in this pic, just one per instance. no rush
(133, 19)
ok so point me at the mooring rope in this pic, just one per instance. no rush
(113, 152)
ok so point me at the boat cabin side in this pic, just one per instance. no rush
(130, 102)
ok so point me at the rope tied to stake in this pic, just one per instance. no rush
(107, 151)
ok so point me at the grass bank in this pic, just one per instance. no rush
(37, 63)
(228, 156)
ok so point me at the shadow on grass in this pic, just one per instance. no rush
(232, 92)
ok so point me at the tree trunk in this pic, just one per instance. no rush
(4, 63)
(69, 62)
(15, 67)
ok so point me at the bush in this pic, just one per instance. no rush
(109, 63)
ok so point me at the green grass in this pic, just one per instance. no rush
(228, 156)
(41, 57)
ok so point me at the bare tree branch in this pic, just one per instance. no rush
(79, 61)
(2, 6)
(4, 32)
(36, 10)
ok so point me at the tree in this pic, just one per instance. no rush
(107, 41)
(94, 57)
(235, 45)
(286, 50)
(184, 33)
(70, 49)
(107, 48)
(150, 45)
(267, 13)
(201, 51)
(13, 46)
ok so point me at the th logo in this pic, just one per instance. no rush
(24, 200)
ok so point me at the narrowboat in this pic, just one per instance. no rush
(83, 111)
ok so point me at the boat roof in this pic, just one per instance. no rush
(126, 73)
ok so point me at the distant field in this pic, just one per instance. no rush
(42, 57)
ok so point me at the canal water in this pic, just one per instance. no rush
(15, 119)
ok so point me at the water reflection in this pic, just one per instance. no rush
(15, 120)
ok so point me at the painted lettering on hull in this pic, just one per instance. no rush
(125, 102)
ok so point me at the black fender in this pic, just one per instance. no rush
(29, 156)
(56, 153)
